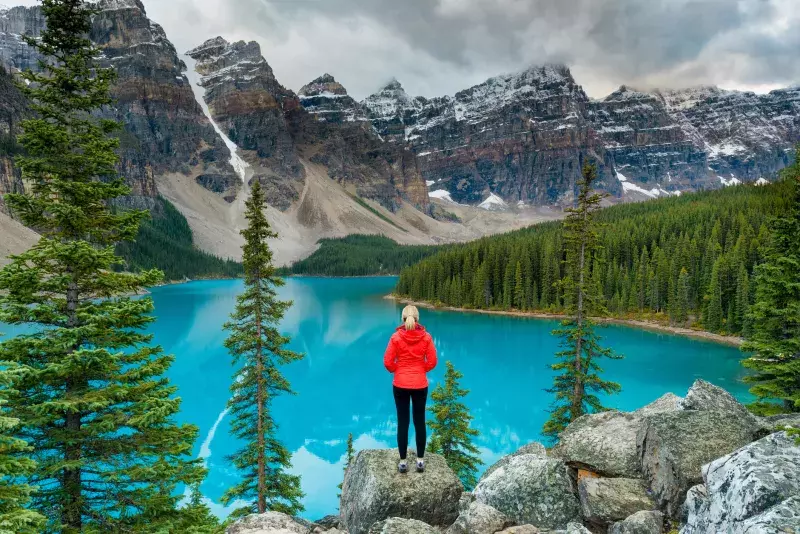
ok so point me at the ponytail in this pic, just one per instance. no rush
(410, 317)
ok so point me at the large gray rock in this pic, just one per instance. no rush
(521, 529)
(706, 396)
(577, 528)
(605, 500)
(758, 485)
(479, 518)
(329, 522)
(531, 448)
(673, 447)
(651, 522)
(399, 525)
(373, 490)
(531, 489)
(603, 442)
(669, 402)
(267, 523)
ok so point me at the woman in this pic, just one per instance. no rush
(409, 356)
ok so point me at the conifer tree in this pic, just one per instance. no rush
(774, 319)
(91, 395)
(742, 299)
(451, 435)
(195, 517)
(682, 298)
(349, 454)
(519, 288)
(259, 349)
(578, 380)
(15, 518)
(712, 319)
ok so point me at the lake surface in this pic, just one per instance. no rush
(343, 325)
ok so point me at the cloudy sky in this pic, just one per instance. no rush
(437, 47)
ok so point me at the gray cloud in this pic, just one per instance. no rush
(437, 47)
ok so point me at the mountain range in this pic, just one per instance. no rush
(499, 155)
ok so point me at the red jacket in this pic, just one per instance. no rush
(409, 356)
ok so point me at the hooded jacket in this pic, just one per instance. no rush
(409, 355)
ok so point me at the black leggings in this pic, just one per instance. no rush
(417, 397)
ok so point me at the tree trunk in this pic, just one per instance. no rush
(578, 391)
(260, 393)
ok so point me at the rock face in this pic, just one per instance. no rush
(669, 402)
(373, 490)
(706, 396)
(647, 146)
(674, 446)
(754, 489)
(604, 443)
(165, 130)
(605, 500)
(398, 525)
(531, 448)
(254, 111)
(268, 523)
(479, 518)
(14, 106)
(531, 489)
(639, 523)
(521, 137)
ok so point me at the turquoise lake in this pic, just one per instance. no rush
(343, 325)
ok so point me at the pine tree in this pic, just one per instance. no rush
(519, 288)
(578, 382)
(774, 319)
(258, 349)
(712, 319)
(742, 299)
(15, 464)
(349, 454)
(195, 517)
(682, 298)
(91, 397)
(451, 435)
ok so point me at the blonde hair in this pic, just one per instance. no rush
(410, 317)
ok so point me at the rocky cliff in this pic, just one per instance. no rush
(165, 130)
(701, 463)
(523, 137)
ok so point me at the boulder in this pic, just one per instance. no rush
(267, 523)
(605, 500)
(651, 522)
(773, 422)
(706, 396)
(531, 448)
(602, 442)
(577, 528)
(521, 529)
(373, 490)
(479, 518)
(531, 489)
(328, 522)
(757, 485)
(399, 525)
(466, 499)
(674, 446)
(669, 402)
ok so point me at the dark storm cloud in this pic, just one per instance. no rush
(438, 46)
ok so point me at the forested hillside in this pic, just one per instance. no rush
(165, 242)
(361, 255)
(685, 259)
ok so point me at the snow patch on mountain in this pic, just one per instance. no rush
(237, 162)
(493, 203)
(761, 181)
(442, 194)
(732, 181)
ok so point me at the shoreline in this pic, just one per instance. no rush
(734, 341)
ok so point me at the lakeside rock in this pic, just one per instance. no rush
(604, 443)
(531, 448)
(399, 525)
(754, 489)
(532, 489)
(640, 523)
(605, 500)
(479, 518)
(669, 402)
(706, 396)
(267, 523)
(373, 491)
(673, 447)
